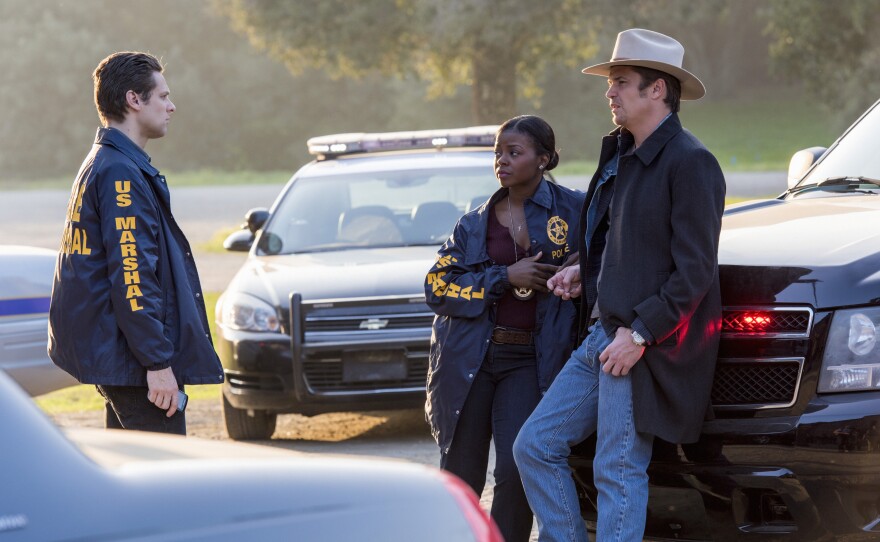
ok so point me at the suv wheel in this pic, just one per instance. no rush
(242, 425)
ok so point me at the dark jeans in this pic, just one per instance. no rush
(127, 407)
(504, 393)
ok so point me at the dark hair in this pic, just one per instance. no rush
(119, 73)
(538, 131)
(673, 85)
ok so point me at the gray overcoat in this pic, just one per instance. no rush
(661, 265)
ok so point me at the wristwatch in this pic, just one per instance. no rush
(638, 340)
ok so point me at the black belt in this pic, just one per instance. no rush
(591, 322)
(507, 335)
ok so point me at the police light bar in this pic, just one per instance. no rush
(331, 146)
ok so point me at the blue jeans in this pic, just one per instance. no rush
(583, 399)
(504, 393)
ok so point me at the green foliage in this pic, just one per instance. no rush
(366, 37)
(818, 44)
(723, 39)
(419, 65)
(237, 109)
(48, 51)
(492, 46)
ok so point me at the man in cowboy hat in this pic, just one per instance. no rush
(651, 303)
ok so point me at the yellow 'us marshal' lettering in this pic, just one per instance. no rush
(75, 241)
(123, 193)
(128, 247)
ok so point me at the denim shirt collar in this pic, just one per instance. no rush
(118, 140)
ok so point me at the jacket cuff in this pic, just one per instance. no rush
(159, 366)
(505, 283)
(639, 327)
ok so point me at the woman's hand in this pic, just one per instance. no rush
(528, 273)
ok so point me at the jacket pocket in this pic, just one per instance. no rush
(670, 341)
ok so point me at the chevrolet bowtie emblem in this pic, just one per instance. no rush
(373, 323)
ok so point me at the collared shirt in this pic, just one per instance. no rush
(609, 171)
(604, 188)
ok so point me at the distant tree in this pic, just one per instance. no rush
(723, 40)
(831, 48)
(499, 48)
(39, 51)
(236, 108)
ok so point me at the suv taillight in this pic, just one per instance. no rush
(482, 524)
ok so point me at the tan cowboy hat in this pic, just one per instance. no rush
(648, 49)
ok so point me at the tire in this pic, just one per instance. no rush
(244, 425)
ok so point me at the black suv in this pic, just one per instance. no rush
(794, 450)
(328, 313)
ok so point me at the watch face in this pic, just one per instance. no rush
(637, 338)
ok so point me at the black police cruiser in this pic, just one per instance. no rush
(328, 313)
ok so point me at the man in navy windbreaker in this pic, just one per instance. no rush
(127, 312)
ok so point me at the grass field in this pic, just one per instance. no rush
(758, 135)
(753, 135)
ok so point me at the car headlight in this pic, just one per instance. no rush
(852, 355)
(246, 312)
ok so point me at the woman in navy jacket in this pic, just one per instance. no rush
(499, 338)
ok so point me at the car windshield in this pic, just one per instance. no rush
(374, 209)
(854, 163)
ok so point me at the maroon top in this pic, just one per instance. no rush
(500, 245)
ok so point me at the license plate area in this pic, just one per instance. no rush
(373, 365)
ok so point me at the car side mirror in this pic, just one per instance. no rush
(256, 218)
(801, 162)
(242, 240)
(239, 241)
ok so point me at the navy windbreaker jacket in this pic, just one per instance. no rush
(464, 286)
(126, 295)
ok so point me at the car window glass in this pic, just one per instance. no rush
(376, 209)
(855, 156)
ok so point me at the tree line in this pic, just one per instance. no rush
(253, 79)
